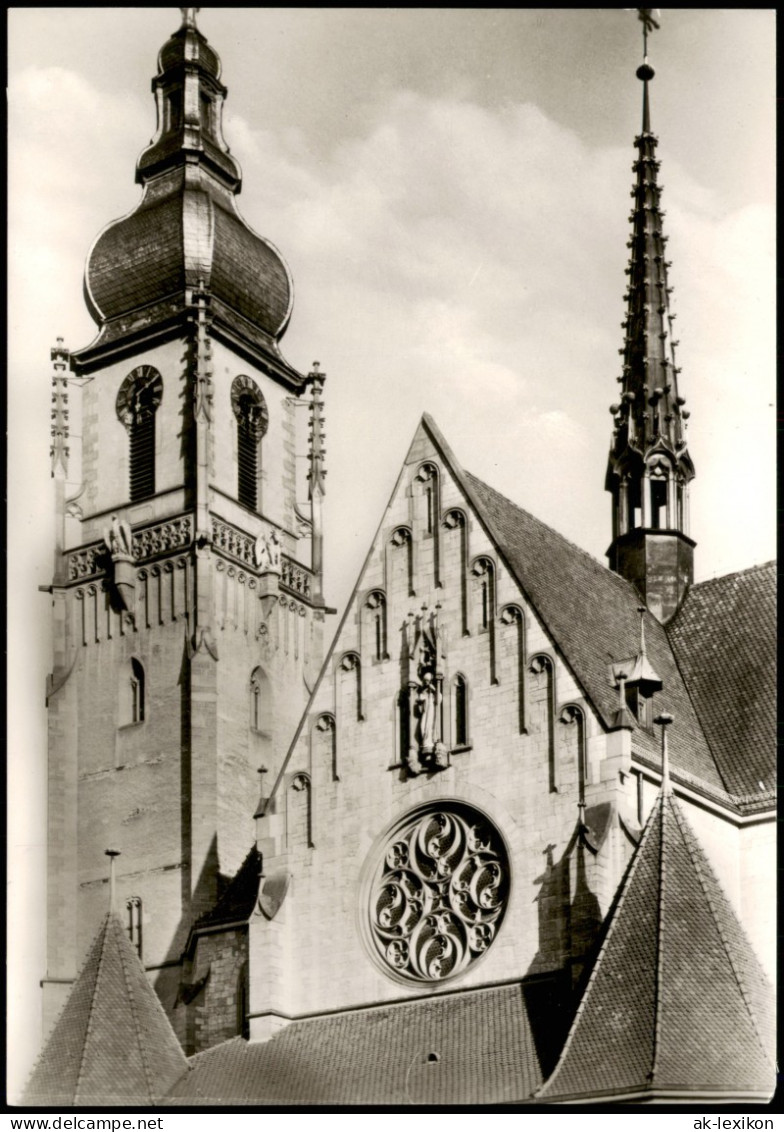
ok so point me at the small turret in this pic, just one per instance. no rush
(316, 474)
(649, 468)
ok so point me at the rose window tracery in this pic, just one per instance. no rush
(439, 893)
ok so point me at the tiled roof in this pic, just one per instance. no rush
(113, 1043)
(475, 1047)
(677, 1002)
(724, 638)
(240, 896)
(591, 613)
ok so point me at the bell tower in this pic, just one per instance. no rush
(649, 468)
(187, 589)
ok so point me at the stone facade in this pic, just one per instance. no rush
(225, 643)
(525, 731)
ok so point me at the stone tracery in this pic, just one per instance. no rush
(439, 894)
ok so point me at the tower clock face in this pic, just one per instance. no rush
(140, 395)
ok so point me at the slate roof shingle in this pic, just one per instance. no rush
(724, 639)
(591, 613)
(470, 1048)
(677, 1002)
(112, 1044)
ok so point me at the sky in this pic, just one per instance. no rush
(450, 188)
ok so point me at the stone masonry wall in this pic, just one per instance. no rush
(525, 781)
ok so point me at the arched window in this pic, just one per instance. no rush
(250, 411)
(132, 693)
(375, 626)
(574, 718)
(243, 1021)
(427, 500)
(133, 910)
(542, 707)
(259, 700)
(137, 692)
(459, 711)
(483, 571)
(137, 402)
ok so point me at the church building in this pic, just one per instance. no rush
(504, 835)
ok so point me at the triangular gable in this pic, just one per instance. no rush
(112, 1043)
(592, 616)
(590, 613)
(677, 1003)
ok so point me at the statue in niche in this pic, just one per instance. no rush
(426, 749)
(118, 538)
(266, 552)
(119, 542)
(428, 702)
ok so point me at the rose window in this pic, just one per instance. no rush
(439, 893)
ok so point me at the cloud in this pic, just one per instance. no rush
(447, 256)
(469, 260)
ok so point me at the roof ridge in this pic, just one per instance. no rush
(699, 862)
(613, 917)
(134, 1014)
(575, 546)
(90, 1013)
(758, 566)
(660, 949)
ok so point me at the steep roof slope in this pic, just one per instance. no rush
(113, 1043)
(677, 1003)
(591, 613)
(724, 638)
(469, 1048)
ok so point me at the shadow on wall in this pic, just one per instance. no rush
(570, 923)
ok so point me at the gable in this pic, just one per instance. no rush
(593, 616)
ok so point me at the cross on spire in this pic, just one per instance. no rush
(649, 24)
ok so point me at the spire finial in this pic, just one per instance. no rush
(189, 17)
(645, 72)
(111, 854)
(664, 720)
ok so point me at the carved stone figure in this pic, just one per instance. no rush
(119, 541)
(118, 538)
(427, 708)
(266, 552)
(424, 749)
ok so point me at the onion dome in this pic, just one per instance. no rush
(187, 234)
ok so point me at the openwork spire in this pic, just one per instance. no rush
(650, 467)
(316, 434)
(59, 450)
(316, 474)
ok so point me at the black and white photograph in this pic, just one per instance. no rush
(391, 559)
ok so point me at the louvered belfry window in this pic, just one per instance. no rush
(247, 455)
(143, 457)
(137, 404)
(250, 410)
